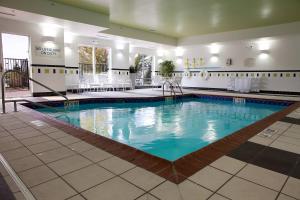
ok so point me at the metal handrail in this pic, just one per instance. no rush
(171, 86)
(41, 84)
(178, 86)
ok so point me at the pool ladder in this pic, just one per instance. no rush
(171, 86)
(4, 101)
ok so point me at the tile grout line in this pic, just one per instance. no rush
(22, 187)
(297, 162)
(52, 171)
(78, 153)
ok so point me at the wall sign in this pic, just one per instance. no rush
(41, 50)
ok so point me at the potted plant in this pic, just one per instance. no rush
(133, 69)
(167, 68)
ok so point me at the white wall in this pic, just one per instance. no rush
(35, 33)
(282, 56)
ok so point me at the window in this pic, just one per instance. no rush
(93, 60)
(101, 58)
(85, 60)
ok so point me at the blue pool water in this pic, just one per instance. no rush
(168, 130)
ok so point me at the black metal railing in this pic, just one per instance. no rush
(15, 80)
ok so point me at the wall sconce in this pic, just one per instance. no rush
(214, 58)
(160, 52)
(264, 44)
(120, 46)
(264, 54)
(159, 61)
(214, 48)
(48, 39)
(68, 37)
(179, 61)
(49, 29)
(179, 51)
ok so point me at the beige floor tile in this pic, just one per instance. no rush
(294, 141)
(8, 138)
(88, 177)
(262, 140)
(55, 154)
(57, 134)
(10, 145)
(210, 178)
(37, 175)
(4, 134)
(147, 197)
(295, 127)
(25, 163)
(217, 197)
(28, 135)
(286, 146)
(114, 189)
(48, 129)
(263, 176)
(285, 197)
(35, 140)
(68, 140)
(11, 184)
(142, 178)
(69, 164)
(22, 130)
(292, 134)
(45, 146)
(228, 164)
(77, 197)
(116, 165)
(16, 153)
(80, 146)
(96, 154)
(185, 190)
(237, 189)
(292, 188)
(55, 189)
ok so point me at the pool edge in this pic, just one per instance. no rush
(180, 169)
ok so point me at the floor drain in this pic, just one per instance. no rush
(268, 132)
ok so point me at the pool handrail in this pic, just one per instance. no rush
(18, 100)
(171, 87)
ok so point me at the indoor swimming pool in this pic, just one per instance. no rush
(167, 129)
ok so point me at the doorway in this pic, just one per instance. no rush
(15, 52)
(145, 62)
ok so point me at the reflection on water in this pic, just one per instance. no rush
(168, 130)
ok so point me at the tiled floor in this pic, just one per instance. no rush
(56, 165)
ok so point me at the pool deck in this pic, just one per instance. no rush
(54, 164)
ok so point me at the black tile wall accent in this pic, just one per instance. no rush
(291, 120)
(247, 151)
(277, 160)
(296, 171)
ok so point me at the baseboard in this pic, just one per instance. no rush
(261, 91)
(204, 88)
(42, 94)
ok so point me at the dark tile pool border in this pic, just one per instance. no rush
(179, 170)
